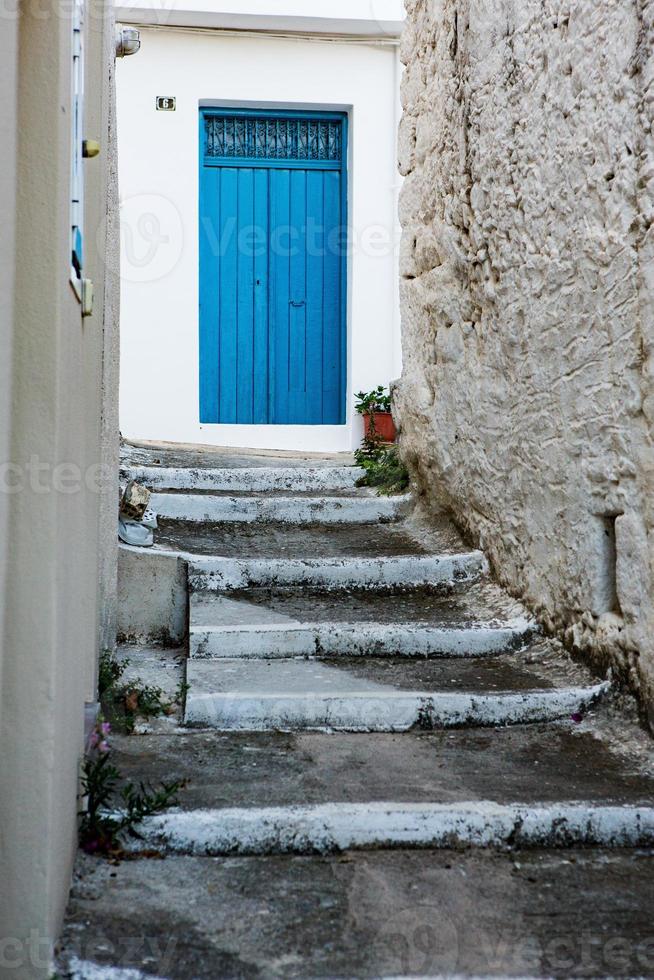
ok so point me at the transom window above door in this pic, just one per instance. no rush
(265, 138)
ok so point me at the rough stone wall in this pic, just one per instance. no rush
(526, 403)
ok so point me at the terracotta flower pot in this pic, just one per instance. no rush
(384, 426)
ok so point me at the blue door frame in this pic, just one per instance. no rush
(273, 267)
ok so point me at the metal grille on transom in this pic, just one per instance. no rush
(257, 138)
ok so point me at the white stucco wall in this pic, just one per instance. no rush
(159, 174)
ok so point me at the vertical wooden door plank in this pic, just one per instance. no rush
(297, 370)
(332, 368)
(209, 277)
(229, 293)
(261, 246)
(315, 245)
(280, 247)
(245, 298)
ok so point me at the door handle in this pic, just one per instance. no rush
(296, 303)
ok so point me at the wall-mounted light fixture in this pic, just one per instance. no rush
(128, 41)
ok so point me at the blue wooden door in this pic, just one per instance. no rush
(272, 267)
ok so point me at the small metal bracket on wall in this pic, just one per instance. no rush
(87, 297)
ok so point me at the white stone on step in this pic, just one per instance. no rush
(222, 574)
(343, 826)
(255, 479)
(293, 639)
(284, 510)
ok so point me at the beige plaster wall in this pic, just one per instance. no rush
(52, 430)
(527, 400)
(9, 88)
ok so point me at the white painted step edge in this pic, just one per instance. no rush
(222, 574)
(284, 510)
(381, 711)
(89, 970)
(358, 639)
(343, 826)
(253, 479)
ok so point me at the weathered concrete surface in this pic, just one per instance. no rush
(190, 457)
(158, 666)
(587, 777)
(356, 639)
(271, 540)
(206, 508)
(433, 571)
(379, 914)
(255, 479)
(287, 695)
(153, 597)
(467, 622)
(527, 397)
(336, 827)
(471, 603)
(563, 760)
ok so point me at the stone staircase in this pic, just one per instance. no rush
(356, 684)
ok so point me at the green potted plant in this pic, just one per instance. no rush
(375, 406)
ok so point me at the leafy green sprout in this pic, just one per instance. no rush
(111, 812)
(123, 701)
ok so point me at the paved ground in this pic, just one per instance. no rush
(379, 914)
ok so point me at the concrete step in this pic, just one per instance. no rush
(204, 508)
(400, 913)
(468, 622)
(407, 571)
(277, 793)
(359, 639)
(187, 456)
(391, 694)
(324, 829)
(253, 539)
(245, 479)
(539, 763)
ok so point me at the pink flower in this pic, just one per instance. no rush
(105, 727)
(94, 740)
(103, 746)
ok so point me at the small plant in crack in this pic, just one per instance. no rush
(383, 468)
(123, 701)
(426, 715)
(114, 810)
